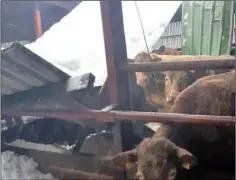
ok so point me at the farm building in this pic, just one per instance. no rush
(100, 109)
(172, 35)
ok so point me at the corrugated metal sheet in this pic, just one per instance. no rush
(22, 70)
(207, 27)
(8, 44)
(171, 37)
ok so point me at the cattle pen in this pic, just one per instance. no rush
(119, 109)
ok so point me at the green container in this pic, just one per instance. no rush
(207, 27)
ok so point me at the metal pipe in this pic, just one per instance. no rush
(115, 50)
(129, 115)
(37, 21)
(179, 65)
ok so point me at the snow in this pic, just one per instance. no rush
(41, 147)
(67, 147)
(25, 119)
(3, 125)
(20, 167)
(76, 44)
(23, 167)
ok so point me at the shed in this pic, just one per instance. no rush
(172, 35)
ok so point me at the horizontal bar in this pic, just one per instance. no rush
(179, 65)
(128, 115)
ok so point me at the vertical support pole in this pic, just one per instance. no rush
(37, 21)
(115, 48)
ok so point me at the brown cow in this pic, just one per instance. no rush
(152, 83)
(158, 157)
(166, 51)
(211, 95)
(161, 89)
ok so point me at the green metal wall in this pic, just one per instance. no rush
(207, 27)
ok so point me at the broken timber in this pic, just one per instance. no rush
(54, 91)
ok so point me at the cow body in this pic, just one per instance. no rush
(160, 156)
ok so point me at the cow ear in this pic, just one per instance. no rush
(126, 159)
(186, 158)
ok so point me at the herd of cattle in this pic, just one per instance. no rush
(173, 147)
(202, 92)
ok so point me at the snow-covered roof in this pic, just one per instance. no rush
(76, 42)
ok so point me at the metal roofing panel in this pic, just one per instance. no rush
(171, 36)
(8, 44)
(23, 70)
(173, 29)
(171, 42)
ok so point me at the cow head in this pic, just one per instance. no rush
(156, 158)
(177, 81)
(147, 79)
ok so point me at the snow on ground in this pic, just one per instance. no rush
(23, 167)
(25, 119)
(20, 167)
(76, 44)
(41, 147)
(3, 125)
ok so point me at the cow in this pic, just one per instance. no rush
(161, 88)
(166, 51)
(160, 156)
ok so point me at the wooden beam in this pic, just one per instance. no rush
(55, 91)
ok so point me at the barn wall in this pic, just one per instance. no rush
(207, 27)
